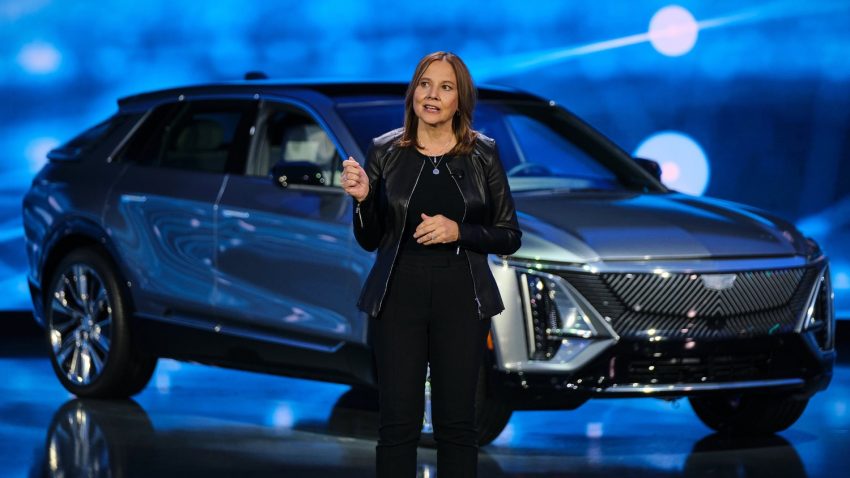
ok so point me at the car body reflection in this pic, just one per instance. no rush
(95, 438)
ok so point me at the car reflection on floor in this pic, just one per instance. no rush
(201, 421)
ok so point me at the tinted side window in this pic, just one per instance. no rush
(291, 136)
(541, 144)
(93, 137)
(209, 136)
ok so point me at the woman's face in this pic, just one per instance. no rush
(435, 98)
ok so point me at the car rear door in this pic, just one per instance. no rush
(161, 211)
(284, 246)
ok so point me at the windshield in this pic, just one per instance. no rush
(542, 147)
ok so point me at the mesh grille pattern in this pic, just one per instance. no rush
(680, 305)
(679, 294)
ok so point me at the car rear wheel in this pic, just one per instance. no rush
(89, 332)
(748, 414)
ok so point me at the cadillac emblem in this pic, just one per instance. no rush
(718, 281)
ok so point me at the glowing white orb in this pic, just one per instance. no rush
(670, 172)
(39, 58)
(684, 166)
(673, 31)
(283, 416)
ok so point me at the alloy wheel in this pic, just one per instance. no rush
(81, 324)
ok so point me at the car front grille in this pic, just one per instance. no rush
(706, 306)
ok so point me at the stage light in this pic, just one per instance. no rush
(673, 31)
(670, 172)
(36, 152)
(841, 281)
(684, 166)
(283, 416)
(39, 58)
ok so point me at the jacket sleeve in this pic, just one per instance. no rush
(368, 223)
(502, 235)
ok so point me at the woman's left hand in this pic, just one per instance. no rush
(436, 229)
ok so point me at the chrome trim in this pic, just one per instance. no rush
(811, 301)
(684, 266)
(243, 333)
(701, 387)
(526, 308)
(130, 134)
(329, 189)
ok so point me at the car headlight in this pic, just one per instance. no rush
(819, 319)
(555, 316)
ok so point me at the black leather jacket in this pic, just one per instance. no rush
(489, 224)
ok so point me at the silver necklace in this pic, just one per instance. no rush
(435, 161)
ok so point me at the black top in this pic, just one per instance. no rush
(434, 194)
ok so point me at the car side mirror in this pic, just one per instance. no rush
(650, 166)
(287, 173)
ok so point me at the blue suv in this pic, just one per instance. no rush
(207, 223)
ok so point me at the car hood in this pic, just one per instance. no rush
(590, 227)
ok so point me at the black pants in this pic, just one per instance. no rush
(429, 316)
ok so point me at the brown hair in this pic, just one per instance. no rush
(461, 121)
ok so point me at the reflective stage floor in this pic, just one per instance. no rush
(200, 421)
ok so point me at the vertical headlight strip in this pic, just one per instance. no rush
(822, 321)
(818, 318)
(553, 314)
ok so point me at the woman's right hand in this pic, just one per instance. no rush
(354, 179)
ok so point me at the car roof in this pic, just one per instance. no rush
(335, 90)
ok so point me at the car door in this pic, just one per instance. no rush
(284, 238)
(161, 211)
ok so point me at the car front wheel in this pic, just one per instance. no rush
(491, 413)
(748, 414)
(88, 330)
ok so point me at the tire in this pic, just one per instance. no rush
(97, 438)
(491, 413)
(355, 414)
(89, 332)
(748, 415)
(719, 455)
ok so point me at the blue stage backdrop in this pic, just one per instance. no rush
(746, 101)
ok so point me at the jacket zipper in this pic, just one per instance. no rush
(398, 244)
(357, 210)
(465, 253)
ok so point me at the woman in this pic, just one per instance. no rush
(434, 201)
